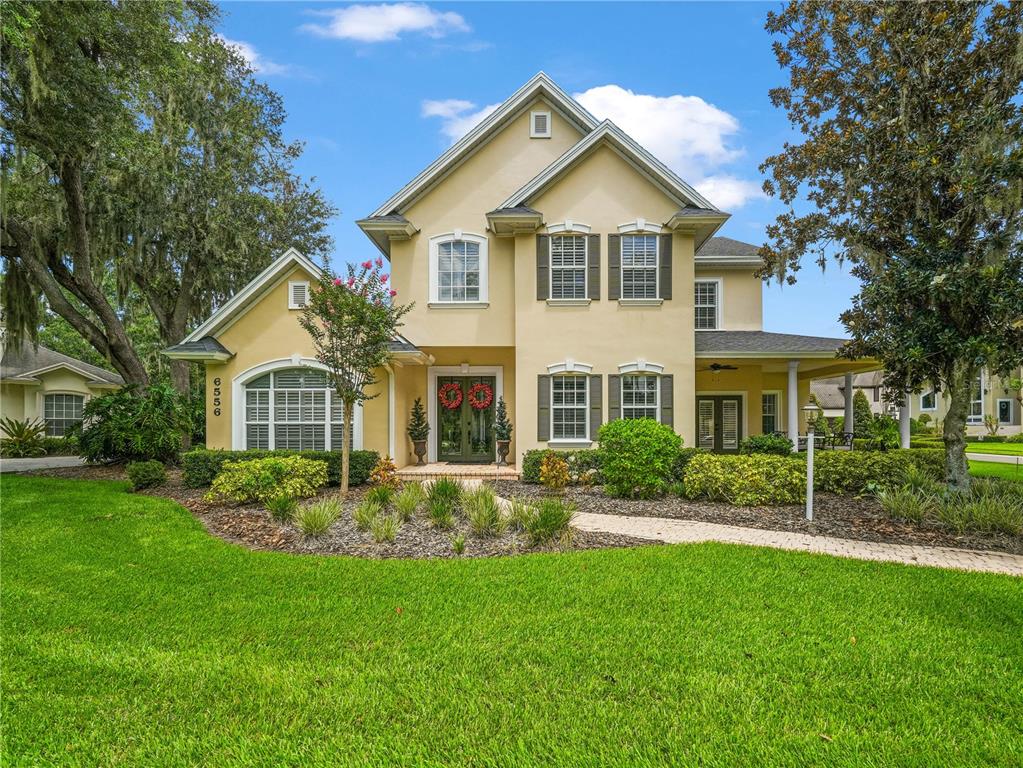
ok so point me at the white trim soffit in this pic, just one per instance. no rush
(569, 366)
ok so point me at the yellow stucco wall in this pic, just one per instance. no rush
(25, 401)
(742, 302)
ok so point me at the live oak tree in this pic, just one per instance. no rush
(137, 145)
(352, 322)
(911, 161)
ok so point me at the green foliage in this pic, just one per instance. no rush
(862, 415)
(583, 465)
(990, 505)
(553, 472)
(884, 432)
(418, 426)
(547, 520)
(482, 512)
(263, 479)
(315, 518)
(444, 489)
(282, 507)
(1017, 438)
(365, 513)
(856, 471)
(384, 528)
(380, 495)
(776, 444)
(905, 503)
(441, 512)
(639, 457)
(200, 466)
(502, 426)
(458, 544)
(384, 474)
(408, 500)
(134, 424)
(146, 474)
(24, 439)
(752, 480)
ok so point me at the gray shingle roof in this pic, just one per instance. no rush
(20, 361)
(724, 342)
(830, 393)
(207, 344)
(726, 246)
(401, 344)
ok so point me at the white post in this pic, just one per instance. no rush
(809, 472)
(850, 413)
(792, 401)
(904, 421)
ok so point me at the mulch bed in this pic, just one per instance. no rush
(845, 517)
(251, 526)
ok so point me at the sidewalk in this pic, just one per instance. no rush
(43, 462)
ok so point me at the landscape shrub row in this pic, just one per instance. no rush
(746, 480)
(201, 466)
(859, 471)
(585, 466)
(268, 478)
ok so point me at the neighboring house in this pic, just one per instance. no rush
(38, 383)
(557, 263)
(830, 394)
(992, 396)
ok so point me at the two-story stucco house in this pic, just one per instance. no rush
(556, 262)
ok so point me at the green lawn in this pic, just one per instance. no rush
(131, 637)
(1010, 449)
(996, 469)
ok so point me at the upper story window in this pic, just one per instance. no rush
(928, 402)
(539, 125)
(61, 411)
(639, 266)
(458, 269)
(707, 301)
(640, 396)
(568, 267)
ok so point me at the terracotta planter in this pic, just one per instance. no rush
(502, 452)
(419, 448)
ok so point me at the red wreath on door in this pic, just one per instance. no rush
(480, 396)
(450, 395)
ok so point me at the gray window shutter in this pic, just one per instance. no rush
(593, 267)
(665, 267)
(596, 406)
(667, 384)
(614, 397)
(614, 267)
(543, 267)
(543, 408)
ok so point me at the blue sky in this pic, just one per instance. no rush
(376, 92)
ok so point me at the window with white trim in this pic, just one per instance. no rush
(976, 413)
(570, 396)
(458, 269)
(639, 266)
(287, 410)
(298, 294)
(928, 401)
(640, 396)
(769, 413)
(706, 303)
(61, 411)
(568, 267)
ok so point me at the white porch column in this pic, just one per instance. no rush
(850, 413)
(792, 403)
(904, 421)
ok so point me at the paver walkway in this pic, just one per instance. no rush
(43, 462)
(689, 531)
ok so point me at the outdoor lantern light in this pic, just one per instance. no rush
(809, 409)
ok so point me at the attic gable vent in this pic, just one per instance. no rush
(539, 125)
(298, 294)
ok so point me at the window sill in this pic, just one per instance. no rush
(458, 304)
(569, 443)
(708, 329)
(568, 302)
(640, 302)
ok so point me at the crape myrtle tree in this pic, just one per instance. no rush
(136, 147)
(910, 158)
(352, 321)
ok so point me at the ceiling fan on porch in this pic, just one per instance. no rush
(715, 367)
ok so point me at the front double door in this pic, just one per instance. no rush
(466, 433)
(719, 422)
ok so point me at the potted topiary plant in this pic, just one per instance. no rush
(502, 432)
(418, 430)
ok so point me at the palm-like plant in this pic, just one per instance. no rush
(24, 439)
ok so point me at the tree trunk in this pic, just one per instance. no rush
(182, 382)
(957, 469)
(346, 449)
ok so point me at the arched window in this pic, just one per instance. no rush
(293, 409)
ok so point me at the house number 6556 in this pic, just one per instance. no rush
(216, 396)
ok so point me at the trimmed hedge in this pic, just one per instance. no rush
(639, 457)
(146, 474)
(201, 466)
(583, 465)
(747, 480)
(857, 471)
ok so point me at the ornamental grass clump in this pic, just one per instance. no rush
(408, 500)
(483, 512)
(906, 503)
(549, 520)
(365, 513)
(281, 508)
(315, 518)
(384, 528)
(446, 489)
(380, 494)
(458, 544)
(441, 514)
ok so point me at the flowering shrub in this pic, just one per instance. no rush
(639, 457)
(751, 480)
(263, 479)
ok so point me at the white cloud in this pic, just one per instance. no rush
(386, 22)
(728, 192)
(458, 116)
(259, 64)
(686, 133)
